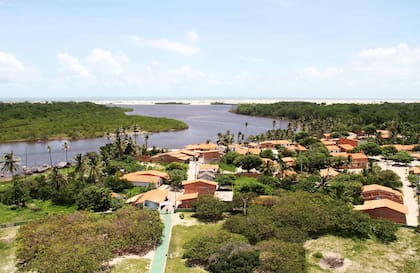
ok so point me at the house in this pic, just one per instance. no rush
(193, 189)
(385, 209)
(206, 176)
(352, 142)
(271, 144)
(146, 178)
(154, 199)
(328, 142)
(290, 161)
(346, 148)
(359, 161)
(333, 149)
(414, 170)
(212, 168)
(401, 147)
(328, 172)
(376, 192)
(201, 147)
(200, 186)
(174, 156)
(385, 134)
(209, 156)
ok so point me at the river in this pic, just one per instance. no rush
(204, 122)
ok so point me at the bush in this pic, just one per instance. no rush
(318, 255)
(83, 242)
(116, 184)
(94, 198)
(278, 256)
(208, 208)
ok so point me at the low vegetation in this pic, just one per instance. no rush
(33, 121)
(44, 245)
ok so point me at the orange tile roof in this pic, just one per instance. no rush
(358, 156)
(288, 159)
(415, 170)
(208, 167)
(328, 142)
(135, 177)
(415, 155)
(328, 172)
(156, 196)
(374, 187)
(346, 147)
(201, 146)
(276, 142)
(344, 154)
(188, 196)
(333, 148)
(200, 180)
(382, 203)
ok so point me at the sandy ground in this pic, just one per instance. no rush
(409, 196)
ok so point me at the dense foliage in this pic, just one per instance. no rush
(83, 242)
(32, 121)
(399, 118)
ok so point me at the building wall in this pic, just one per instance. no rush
(359, 163)
(378, 194)
(386, 213)
(186, 204)
(352, 142)
(201, 188)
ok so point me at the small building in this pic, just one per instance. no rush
(376, 192)
(414, 170)
(154, 199)
(201, 186)
(209, 156)
(174, 156)
(290, 161)
(271, 144)
(210, 176)
(328, 172)
(201, 147)
(333, 149)
(352, 142)
(346, 148)
(385, 134)
(384, 209)
(187, 200)
(359, 161)
(212, 168)
(146, 178)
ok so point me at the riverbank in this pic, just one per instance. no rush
(72, 120)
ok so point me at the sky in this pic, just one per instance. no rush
(230, 48)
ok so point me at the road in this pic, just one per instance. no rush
(159, 260)
(409, 196)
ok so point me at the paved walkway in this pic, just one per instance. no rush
(409, 196)
(159, 260)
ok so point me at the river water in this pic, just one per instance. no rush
(204, 122)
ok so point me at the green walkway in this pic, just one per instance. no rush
(159, 261)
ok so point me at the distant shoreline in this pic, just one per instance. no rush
(209, 101)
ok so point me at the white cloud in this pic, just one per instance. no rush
(73, 65)
(316, 73)
(104, 61)
(10, 63)
(402, 54)
(186, 71)
(251, 59)
(189, 49)
(192, 37)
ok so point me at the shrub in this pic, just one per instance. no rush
(94, 198)
(208, 208)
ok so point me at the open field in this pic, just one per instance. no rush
(367, 256)
(39, 210)
(132, 266)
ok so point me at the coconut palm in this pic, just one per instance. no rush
(94, 166)
(274, 124)
(10, 163)
(49, 152)
(146, 140)
(66, 147)
(246, 130)
(79, 165)
(56, 178)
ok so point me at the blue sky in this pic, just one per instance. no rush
(248, 48)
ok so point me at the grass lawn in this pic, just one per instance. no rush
(7, 249)
(45, 208)
(369, 256)
(132, 266)
(226, 167)
(180, 235)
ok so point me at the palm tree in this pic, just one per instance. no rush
(94, 166)
(146, 140)
(49, 152)
(136, 131)
(66, 146)
(79, 165)
(10, 163)
(274, 124)
(246, 129)
(56, 178)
